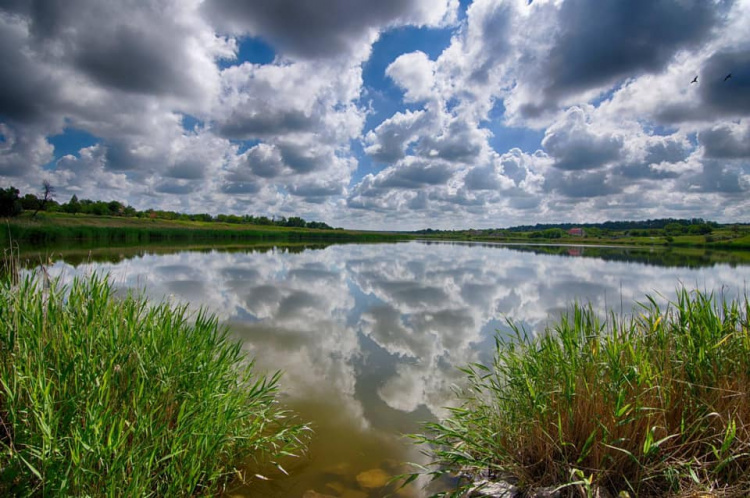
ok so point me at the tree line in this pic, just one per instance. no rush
(13, 204)
(617, 226)
(645, 228)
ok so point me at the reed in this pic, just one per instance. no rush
(652, 405)
(103, 230)
(104, 395)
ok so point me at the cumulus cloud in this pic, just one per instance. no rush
(717, 176)
(29, 88)
(601, 42)
(155, 49)
(388, 142)
(412, 173)
(575, 144)
(726, 88)
(260, 101)
(600, 95)
(727, 140)
(414, 72)
(325, 29)
(22, 149)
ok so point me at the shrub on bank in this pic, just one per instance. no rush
(102, 395)
(655, 405)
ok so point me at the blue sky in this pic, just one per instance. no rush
(394, 114)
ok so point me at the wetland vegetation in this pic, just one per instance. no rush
(106, 395)
(654, 405)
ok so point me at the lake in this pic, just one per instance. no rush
(369, 335)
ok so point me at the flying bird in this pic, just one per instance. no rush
(695, 80)
(727, 76)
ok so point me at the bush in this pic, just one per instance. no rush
(110, 396)
(10, 202)
(655, 405)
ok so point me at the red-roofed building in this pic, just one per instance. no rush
(576, 232)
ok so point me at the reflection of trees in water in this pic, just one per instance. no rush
(667, 257)
(77, 255)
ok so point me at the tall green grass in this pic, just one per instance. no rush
(653, 405)
(104, 395)
(49, 231)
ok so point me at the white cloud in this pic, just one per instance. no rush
(576, 144)
(625, 132)
(329, 28)
(22, 150)
(414, 72)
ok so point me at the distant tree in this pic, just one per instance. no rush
(29, 202)
(295, 221)
(700, 229)
(115, 208)
(73, 206)
(674, 228)
(229, 218)
(318, 225)
(201, 217)
(98, 208)
(10, 203)
(47, 192)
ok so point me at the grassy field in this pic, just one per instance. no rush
(656, 405)
(110, 396)
(51, 228)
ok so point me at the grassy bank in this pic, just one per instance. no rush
(103, 395)
(655, 405)
(51, 228)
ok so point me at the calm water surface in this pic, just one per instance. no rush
(368, 336)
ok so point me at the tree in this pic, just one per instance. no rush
(115, 208)
(73, 206)
(48, 191)
(700, 229)
(10, 203)
(674, 229)
(29, 202)
(295, 221)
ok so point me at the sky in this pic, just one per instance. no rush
(395, 114)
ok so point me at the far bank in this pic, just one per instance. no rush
(51, 228)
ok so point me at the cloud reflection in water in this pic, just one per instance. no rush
(373, 333)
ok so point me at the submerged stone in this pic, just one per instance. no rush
(375, 478)
(336, 486)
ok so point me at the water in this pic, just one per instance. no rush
(368, 336)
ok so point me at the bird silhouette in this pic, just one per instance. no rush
(727, 76)
(695, 80)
